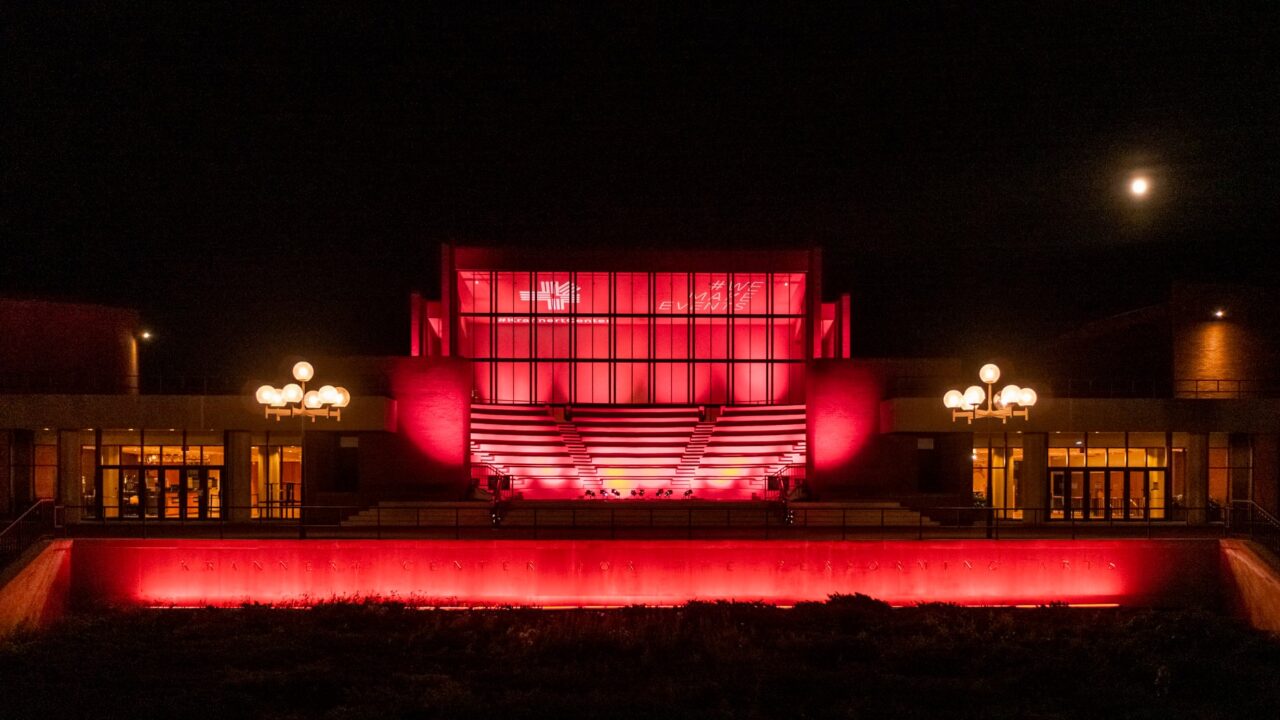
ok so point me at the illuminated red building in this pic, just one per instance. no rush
(634, 372)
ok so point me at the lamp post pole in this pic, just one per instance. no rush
(294, 400)
(999, 406)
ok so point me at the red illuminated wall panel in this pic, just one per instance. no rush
(229, 573)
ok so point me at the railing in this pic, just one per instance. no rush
(782, 481)
(1112, 388)
(1214, 388)
(1251, 520)
(668, 519)
(37, 522)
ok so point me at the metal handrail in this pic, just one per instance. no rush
(1246, 516)
(13, 541)
(670, 517)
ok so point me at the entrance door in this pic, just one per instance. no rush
(202, 493)
(1096, 491)
(1057, 494)
(1115, 495)
(1078, 502)
(194, 502)
(213, 492)
(1137, 494)
(151, 487)
(172, 502)
(131, 496)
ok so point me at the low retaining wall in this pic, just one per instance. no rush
(1254, 578)
(656, 572)
(90, 573)
(35, 590)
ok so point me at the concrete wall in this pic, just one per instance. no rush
(1228, 574)
(37, 334)
(1167, 573)
(843, 428)
(34, 590)
(1223, 356)
(852, 453)
(192, 412)
(425, 456)
(1253, 576)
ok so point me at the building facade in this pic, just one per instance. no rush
(644, 376)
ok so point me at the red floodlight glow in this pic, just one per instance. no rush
(564, 573)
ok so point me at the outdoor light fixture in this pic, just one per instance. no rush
(295, 399)
(1219, 313)
(967, 404)
(1139, 186)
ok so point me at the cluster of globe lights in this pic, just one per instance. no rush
(293, 393)
(974, 395)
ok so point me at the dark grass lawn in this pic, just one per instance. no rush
(851, 657)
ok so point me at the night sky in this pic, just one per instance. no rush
(260, 182)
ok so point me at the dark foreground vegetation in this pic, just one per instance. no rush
(851, 657)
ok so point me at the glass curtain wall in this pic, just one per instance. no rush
(644, 338)
(997, 471)
(1113, 476)
(276, 477)
(154, 474)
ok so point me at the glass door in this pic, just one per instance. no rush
(1096, 491)
(1115, 494)
(1077, 503)
(193, 502)
(213, 492)
(151, 486)
(130, 493)
(201, 493)
(172, 502)
(1057, 493)
(1137, 494)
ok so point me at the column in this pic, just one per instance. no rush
(6, 473)
(1240, 460)
(237, 474)
(1033, 485)
(1197, 478)
(69, 473)
(1266, 471)
(22, 468)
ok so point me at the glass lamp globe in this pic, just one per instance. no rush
(344, 397)
(328, 394)
(277, 398)
(953, 399)
(1011, 395)
(264, 394)
(302, 371)
(292, 392)
(989, 373)
(312, 399)
(1028, 397)
(974, 395)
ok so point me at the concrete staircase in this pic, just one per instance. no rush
(638, 451)
(692, 456)
(587, 474)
